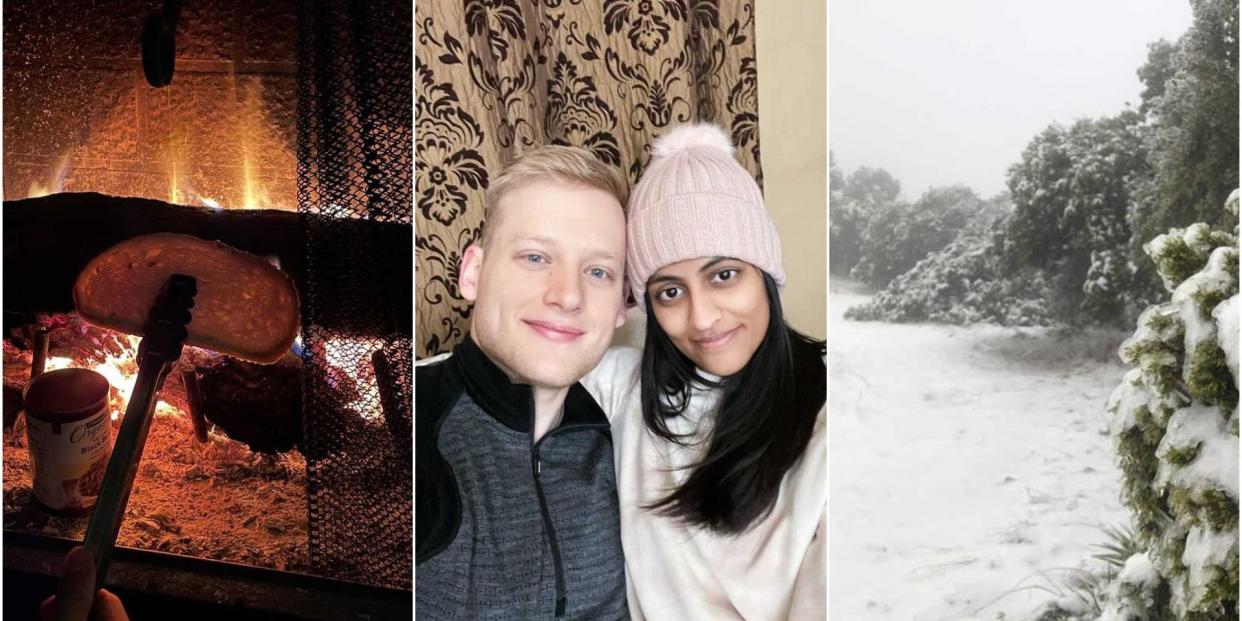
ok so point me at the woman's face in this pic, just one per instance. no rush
(714, 309)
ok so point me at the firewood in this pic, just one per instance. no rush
(40, 269)
(260, 405)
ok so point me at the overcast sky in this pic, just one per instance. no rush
(951, 91)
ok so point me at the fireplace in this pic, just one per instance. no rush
(258, 483)
(80, 116)
(203, 489)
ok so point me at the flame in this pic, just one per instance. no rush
(56, 183)
(175, 152)
(348, 363)
(119, 369)
(173, 196)
(250, 128)
(351, 357)
(254, 195)
(249, 192)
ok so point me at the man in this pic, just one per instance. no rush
(516, 501)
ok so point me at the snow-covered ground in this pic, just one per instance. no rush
(970, 467)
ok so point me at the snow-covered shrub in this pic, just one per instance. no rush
(898, 235)
(1134, 595)
(1121, 586)
(963, 283)
(1174, 420)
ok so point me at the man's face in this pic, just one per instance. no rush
(547, 290)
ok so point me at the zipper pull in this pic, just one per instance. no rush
(538, 466)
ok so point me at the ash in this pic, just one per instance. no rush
(215, 500)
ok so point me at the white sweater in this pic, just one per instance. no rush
(774, 570)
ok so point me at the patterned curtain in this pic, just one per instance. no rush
(498, 77)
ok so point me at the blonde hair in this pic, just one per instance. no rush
(561, 163)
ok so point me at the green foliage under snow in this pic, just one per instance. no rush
(1174, 421)
(1191, 103)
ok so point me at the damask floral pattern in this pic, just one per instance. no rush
(499, 77)
(645, 22)
(500, 20)
(446, 141)
(439, 291)
(654, 101)
(577, 115)
(743, 103)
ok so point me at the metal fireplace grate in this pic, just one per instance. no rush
(355, 181)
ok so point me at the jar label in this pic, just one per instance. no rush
(69, 460)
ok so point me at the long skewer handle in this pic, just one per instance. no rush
(123, 465)
(161, 345)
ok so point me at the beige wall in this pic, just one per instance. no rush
(791, 37)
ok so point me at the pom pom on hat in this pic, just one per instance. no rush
(697, 136)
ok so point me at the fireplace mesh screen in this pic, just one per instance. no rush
(355, 172)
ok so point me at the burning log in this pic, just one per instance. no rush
(397, 414)
(259, 405)
(86, 224)
(194, 398)
(40, 353)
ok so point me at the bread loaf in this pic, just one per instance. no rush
(245, 307)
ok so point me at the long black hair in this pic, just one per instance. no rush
(761, 426)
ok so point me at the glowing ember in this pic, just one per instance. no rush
(120, 370)
(351, 358)
(163, 408)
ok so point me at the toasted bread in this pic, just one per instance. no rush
(245, 307)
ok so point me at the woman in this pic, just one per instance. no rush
(718, 423)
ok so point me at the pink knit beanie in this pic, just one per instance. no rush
(696, 201)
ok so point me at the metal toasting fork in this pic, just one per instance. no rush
(162, 340)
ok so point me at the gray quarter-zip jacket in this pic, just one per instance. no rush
(507, 528)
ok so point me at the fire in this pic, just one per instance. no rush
(56, 182)
(253, 122)
(120, 369)
(256, 174)
(346, 360)
(349, 364)
(176, 154)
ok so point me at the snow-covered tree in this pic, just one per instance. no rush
(1174, 420)
(1071, 194)
(1155, 73)
(1191, 101)
(867, 192)
(899, 235)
